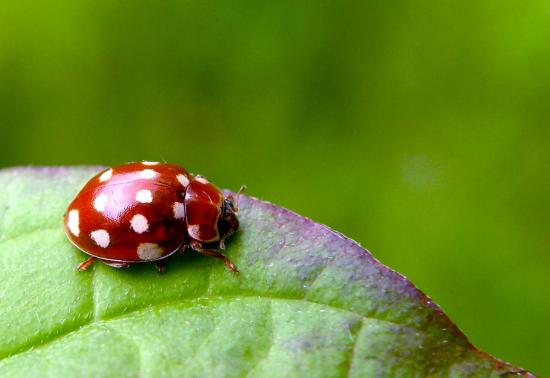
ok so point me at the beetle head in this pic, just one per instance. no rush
(228, 223)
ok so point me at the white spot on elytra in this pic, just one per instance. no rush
(73, 222)
(101, 238)
(139, 223)
(100, 202)
(149, 251)
(106, 175)
(149, 162)
(202, 179)
(183, 179)
(144, 196)
(179, 210)
(148, 173)
(193, 231)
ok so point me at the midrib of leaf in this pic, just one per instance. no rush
(129, 314)
(96, 320)
(105, 322)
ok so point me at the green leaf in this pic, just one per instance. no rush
(308, 302)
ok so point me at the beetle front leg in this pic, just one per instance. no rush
(182, 249)
(197, 246)
(161, 266)
(221, 256)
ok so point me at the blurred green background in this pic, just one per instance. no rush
(420, 129)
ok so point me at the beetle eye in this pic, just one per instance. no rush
(228, 204)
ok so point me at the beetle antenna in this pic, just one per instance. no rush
(241, 190)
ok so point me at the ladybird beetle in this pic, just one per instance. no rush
(143, 212)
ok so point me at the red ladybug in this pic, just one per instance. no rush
(140, 212)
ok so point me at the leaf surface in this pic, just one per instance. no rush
(308, 302)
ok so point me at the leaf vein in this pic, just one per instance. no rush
(272, 337)
(132, 341)
(178, 302)
(354, 347)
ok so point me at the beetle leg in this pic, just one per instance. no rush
(161, 267)
(183, 248)
(116, 264)
(85, 264)
(196, 245)
(221, 256)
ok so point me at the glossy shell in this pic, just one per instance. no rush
(131, 213)
(203, 205)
